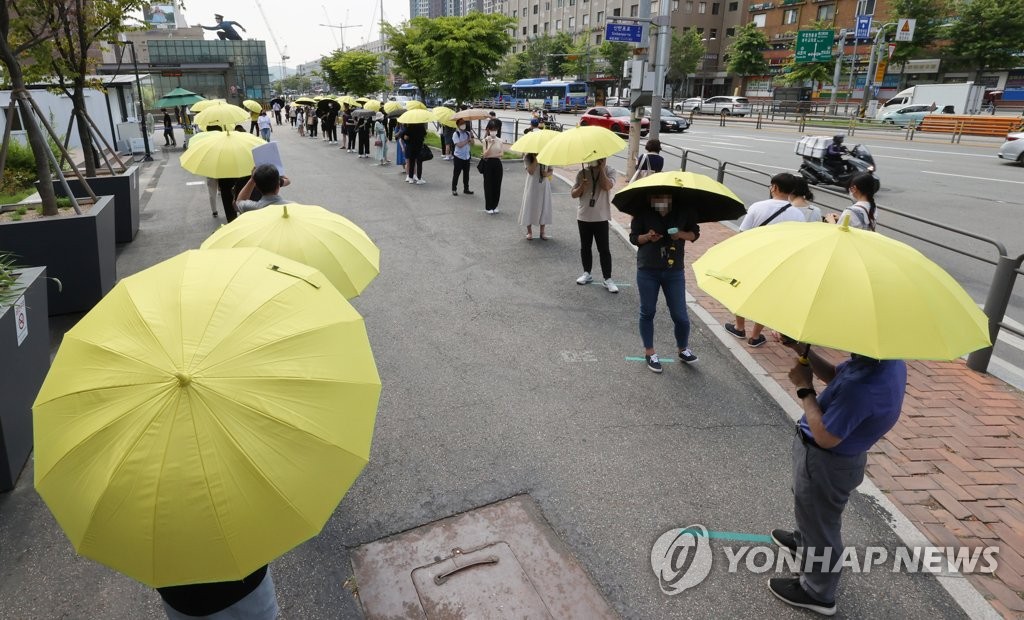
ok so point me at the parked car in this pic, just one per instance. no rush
(906, 114)
(612, 117)
(688, 105)
(612, 101)
(726, 106)
(1013, 148)
(670, 121)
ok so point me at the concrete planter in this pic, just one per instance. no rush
(78, 250)
(125, 190)
(23, 367)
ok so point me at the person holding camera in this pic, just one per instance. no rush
(269, 182)
(592, 188)
(660, 231)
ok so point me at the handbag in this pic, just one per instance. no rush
(426, 154)
(378, 142)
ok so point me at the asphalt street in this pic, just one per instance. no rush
(501, 376)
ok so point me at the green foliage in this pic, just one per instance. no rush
(685, 56)
(815, 72)
(8, 267)
(408, 43)
(615, 54)
(356, 71)
(21, 210)
(746, 55)
(930, 16)
(511, 68)
(988, 34)
(64, 203)
(299, 83)
(15, 217)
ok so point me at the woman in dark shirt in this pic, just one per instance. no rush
(659, 231)
(253, 598)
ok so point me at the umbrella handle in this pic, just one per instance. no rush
(803, 359)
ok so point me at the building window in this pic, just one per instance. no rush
(572, 24)
(686, 29)
(700, 31)
(597, 39)
(547, 6)
(866, 7)
(572, 2)
(791, 16)
(702, 7)
(827, 12)
(524, 11)
(730, 32)
(714, 33)
(714, 8)
(734, 6)
(513, 49)
(586, 18)
(524, 31)
(689, 6)
(634, 10)
(536, 8)
(675, 5)
(535, 29)
(616, 12)
(558, 3)
(600, 16)
(759, 20)
(558, 24)
(546, 24)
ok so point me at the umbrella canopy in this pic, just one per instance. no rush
(443, 115)
(415, 105)
(534, 141)
(252, 106)
(361, 100)
(225, 116)
(411, 117)
(580, 145)
(392, 106)
(844, 288)
(311, 235)
(305, 101)
(471, 115)
(278, 100)
(205, 103)
(327, 105)
(363, 113)
(350, 100)
(373, 106)
(178, 96)
(712, 201)
(205, 417)
(222, 155)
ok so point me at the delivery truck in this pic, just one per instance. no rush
(947, 98)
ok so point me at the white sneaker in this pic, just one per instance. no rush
(608, 284)
(585, 278)
(409, 180)
(420, 182)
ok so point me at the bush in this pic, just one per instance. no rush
(15, 180)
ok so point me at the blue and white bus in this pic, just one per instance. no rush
(557, 95)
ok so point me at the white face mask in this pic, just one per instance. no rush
(661, 207)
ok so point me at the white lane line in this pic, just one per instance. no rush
(967, 176)
(907, 158)
(754, 163)
(729, 148)
(196, 183)
(759, 139)
(724, 143)
(900, 148)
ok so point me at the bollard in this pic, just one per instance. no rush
(721, 172)
(995, 307)
(758, 126)
(682, 162)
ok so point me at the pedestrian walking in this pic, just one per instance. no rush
(650, 161)
(536, 209)
(660, 232)
(381, 138)
(331, 123)
(254, 122)
(211, 190)
(363, 134)
(462, 142)
(265, 126)
(802, 197)
(447, 133)
(493, 171)
(168, 129)
(592, 186)
(859, 405)
(776, 209)
(415, 133)
(277, 112)
(300, 120)
(861, 213)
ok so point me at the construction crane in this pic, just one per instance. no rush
(282, 52)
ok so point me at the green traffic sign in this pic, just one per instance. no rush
(814, 45)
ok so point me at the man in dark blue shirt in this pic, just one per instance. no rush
(860, 404)
(226, 29)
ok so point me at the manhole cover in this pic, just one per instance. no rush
(498, 561)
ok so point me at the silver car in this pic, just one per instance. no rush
(726, 106)
(1013, 148)
(688, 105)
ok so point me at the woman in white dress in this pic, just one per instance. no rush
(536, 209)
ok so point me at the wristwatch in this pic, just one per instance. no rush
(803, 393)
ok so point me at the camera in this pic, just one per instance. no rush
(592, 201)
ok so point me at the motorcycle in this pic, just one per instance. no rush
(854, 161)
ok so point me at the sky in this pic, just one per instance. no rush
(295, 23)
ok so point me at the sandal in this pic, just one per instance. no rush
(545, 237)
(529, 237)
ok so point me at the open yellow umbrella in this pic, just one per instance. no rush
(845, 289)
(305, 101)
(205, 103)
(579, 146)
(471, 114)
(205, 417)
(222, 155)
(534, 141)
(224, 115)
(415, 104)
(311, 235)
(361, 100)
(252, 106)
(350, 100)
(373, 106)
(411, 117)
(443, 115)
(392, 106)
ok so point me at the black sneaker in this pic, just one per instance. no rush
(687, 356)
(739, 333)
(653, 363)
(455, 193)
(789, 591)
(756, 342)
(786, 541)
(467, 192)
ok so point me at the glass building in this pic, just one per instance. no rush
(232, 70)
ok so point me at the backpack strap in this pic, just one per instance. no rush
(775, 215)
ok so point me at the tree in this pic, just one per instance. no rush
(616, 54)
(686, 53)
(930, 15)
(408, 43)
(465, 50)
(746, 53)
(355, 71)
(534, 56)
(817, 72)
(558, 52)
(511, 68)
(987, 35)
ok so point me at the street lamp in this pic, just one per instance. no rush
(342, 29)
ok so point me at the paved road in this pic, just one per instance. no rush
(501, 376)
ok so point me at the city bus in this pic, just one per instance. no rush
(557, 95)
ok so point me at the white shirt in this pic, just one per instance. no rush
(263, 122)
(761, 211)
(858, 214)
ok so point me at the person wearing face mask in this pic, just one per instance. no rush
(592, 187)
(492, 170)
(861, 213)
(462, 140)
(536, 207)
(660, 231)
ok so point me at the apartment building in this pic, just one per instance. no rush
(716, 21)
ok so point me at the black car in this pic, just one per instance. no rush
(670, 121)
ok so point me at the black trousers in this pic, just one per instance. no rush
(254, 127)
(413, 163)
(227, 197)
(589, 233)
(493, 172)
(332, 132)
(350, 134)
(364, 141)
(312, 130)
(169, 136)
(277, 116)
(461, 167)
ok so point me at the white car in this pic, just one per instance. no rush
(1013, 148)
(688, 105)
(726, 106)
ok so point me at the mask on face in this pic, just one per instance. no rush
(661, 207)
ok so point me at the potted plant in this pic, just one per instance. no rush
(24, 361)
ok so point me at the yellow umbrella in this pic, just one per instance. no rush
(252, 106)
(312, 235)
(350, 100)
(305, 101)
(205, 417)
(222, 155)
(845, 289)
(579, 146)
(443, 115)
(373, 106)
(534, 141)
(413, 117)
(206, 103)
(392, 106)
(224, 115)
(415, 105)
(471, 114)
(361, 100)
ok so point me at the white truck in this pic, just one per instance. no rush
(948, 98)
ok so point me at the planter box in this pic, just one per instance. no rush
(22, 370)
(125, 190)
(78, 250)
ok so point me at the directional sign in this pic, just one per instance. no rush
(863, 26)
(623, 33)
(814, 45)
(905, 29)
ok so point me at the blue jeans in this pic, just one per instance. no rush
(265, 134)
(673, 282)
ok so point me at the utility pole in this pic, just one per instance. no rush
(636, 115)
(663, 36)
(872, 59)
(835, 74)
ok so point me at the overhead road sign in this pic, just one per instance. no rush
(905, 29)
(624, 33)
(814, 45)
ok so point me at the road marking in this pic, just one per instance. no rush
(754, 163)
(196, 183)
(906, 158)
(900, 148)
(967, 176)
(760, 139)
(728, 148)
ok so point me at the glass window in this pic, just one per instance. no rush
(545, 27)
(734, 6)
(572, 23)
(714, 8)
(634, 10)
(536, 7)
(597, 39)
(586, 18)
(535, 29)
(866, 7)
(714, 33)
(791, 16)
(558, 24)
(547, 6)
(759, 20)
(827, 12)
(702, 7)
(689, 6)
(600, 16)
(616, 12)
(730, 32)
(675, 5)
(524, 30)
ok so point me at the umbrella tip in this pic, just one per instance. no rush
(285, 214)
(844, 224)
(184, 379)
